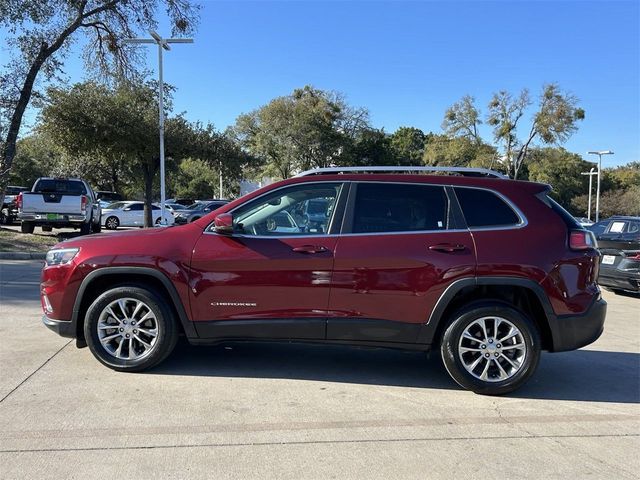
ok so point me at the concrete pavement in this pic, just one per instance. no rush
(300, 411)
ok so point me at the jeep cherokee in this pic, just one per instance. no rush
(488, 270)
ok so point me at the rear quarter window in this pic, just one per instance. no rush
(483, 208)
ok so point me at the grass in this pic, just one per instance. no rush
(12, 241)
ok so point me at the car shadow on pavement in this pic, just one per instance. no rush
(582, 375)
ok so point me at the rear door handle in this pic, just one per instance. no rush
(310, 249)
(447, 247)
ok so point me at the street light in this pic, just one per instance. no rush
(163, 43)
(591, 173)
(599, 153)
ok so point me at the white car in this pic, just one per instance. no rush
(131, 214)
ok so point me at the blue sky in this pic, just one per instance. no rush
(408, 61)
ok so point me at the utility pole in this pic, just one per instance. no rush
(591, 173)
(163, 43)
(599, 153)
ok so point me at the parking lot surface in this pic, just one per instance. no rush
(301, 411)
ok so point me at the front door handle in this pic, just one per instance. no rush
(447, 247)
(310, 249)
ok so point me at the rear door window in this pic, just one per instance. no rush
(392, 207)
(483, 208)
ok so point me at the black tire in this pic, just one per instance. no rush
(167, 330)
(194, 219)
(111, 223)
(47, 228)
(96, 228)
(85, 228)
(450, 349)
(27, 227)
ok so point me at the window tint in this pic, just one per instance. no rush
(285, 211)
(392, 207)
(482, 208)
(137, 206)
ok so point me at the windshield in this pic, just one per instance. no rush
(196, 206)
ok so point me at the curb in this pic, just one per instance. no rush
(22, 255)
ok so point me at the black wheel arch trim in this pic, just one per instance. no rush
(187, 324)
(429, 329)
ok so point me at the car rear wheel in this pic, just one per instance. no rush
(27, 227)
(112, 223)
(130, 328)
(491, 349)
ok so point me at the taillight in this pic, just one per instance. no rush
(83, 203)
(19, 201)
(635, 256)
(581, 240)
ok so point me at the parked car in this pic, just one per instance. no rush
(131, 214)
(9, 210)
(107, 198)
(619, 244)
(59, 203)
(181, 201)
(584, 221)
(487, 271)
(174, 208)
(198, 210)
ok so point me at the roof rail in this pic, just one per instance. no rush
(465, 171)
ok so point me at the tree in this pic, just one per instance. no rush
(562, 170)
(443, 150)
(369, 147)
(407, 145)
(117, 123)
(37, 156)
(462, 120)
(309, 128)
(41, 32)
(554, 122)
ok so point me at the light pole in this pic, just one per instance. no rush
(163, 43)
(599, 153)
(591, 173)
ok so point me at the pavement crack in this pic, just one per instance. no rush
(312, 442)
(35, 371)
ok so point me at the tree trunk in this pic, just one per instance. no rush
(148, 195)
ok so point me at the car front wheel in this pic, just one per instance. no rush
(491, 349)
(130, 328)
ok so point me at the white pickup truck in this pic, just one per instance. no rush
(59, 203)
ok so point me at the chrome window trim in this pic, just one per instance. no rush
(523, 219)
(521, 216)
(240, 235)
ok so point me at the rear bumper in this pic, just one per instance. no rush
(574, 331)
(614, 278)
(41, 218)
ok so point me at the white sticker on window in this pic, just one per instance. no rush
(617, 227)
(439, 224)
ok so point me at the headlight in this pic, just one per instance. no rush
(61, 256)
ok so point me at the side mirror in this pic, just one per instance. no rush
(224, 223)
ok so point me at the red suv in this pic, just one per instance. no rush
(489, 270)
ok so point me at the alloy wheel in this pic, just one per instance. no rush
(127, 329)
(492, 349)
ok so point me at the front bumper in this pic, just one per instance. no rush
(571, 332)
(64, 328)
